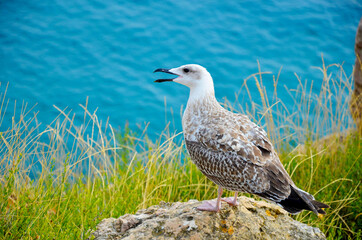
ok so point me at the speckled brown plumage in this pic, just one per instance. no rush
(231, 150)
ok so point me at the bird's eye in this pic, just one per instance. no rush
(186, 70)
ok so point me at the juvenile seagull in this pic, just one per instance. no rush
(232, 151)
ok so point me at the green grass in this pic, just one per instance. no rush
(90, 172)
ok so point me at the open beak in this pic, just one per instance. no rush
(165, 71)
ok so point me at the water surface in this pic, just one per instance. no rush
(61, 52)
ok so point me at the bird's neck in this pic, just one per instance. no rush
(203, 94)
(201, 103)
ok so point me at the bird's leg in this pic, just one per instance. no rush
(233, 201)
(209, 205)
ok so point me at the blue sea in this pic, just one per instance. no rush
(63, 52)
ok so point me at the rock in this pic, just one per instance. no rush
(250, 220)
(356, 100)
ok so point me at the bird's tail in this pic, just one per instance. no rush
(299, 200)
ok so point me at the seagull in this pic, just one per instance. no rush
(231, 150)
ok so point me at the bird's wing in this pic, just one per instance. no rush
(241, 136)
(246, 150)
(258, 137)
(233, 172)
(269, 159)
(228, 169)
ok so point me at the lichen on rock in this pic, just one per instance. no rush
(251, 219)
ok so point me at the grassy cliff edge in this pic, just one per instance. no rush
(61, 180)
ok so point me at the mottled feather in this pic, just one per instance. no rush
(231, 150)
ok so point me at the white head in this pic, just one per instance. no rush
(194, 76)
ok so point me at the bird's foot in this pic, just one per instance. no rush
(232, 201)
(209, 206)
